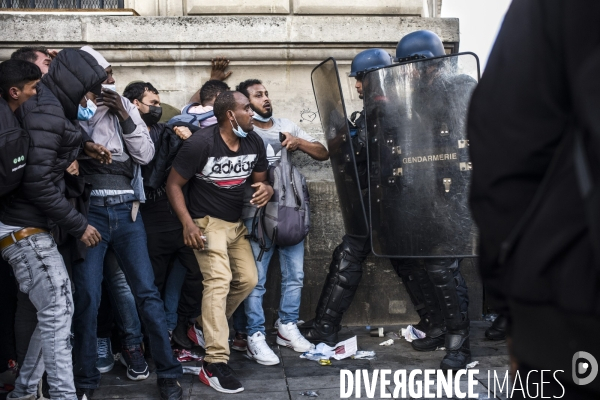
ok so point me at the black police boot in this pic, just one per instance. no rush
(498, 329)
(432, 320)
(345, 272)
(320, 332)
(408, 270)
(458, 351)
(428, 343)
(451, 291)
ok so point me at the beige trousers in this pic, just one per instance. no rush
(229, 273)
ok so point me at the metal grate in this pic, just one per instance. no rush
(72, 4)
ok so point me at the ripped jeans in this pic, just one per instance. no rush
(41, 274)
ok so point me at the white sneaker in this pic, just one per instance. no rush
(289, 335)
(259, 350)
(276, 324)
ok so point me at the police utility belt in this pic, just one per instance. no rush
(108, 201)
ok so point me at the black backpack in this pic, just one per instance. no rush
(14, 145)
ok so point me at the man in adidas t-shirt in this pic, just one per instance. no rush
(217, 161)
(249, 319)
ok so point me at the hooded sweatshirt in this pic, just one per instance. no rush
(128, 141)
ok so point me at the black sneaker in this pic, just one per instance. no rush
(180, 334)
(219, 376)
(169, 389)
(81, 392)
(133, 358)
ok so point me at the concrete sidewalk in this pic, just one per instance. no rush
(294, 375)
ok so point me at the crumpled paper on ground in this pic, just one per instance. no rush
(340, 351)
(364, 355)
(411, 333)
(184, 355)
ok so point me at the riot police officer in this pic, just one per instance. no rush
(442, 285)
(427, 281)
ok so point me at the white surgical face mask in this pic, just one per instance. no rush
(260, 118)
(111, 87)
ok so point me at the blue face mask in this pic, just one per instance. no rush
(85, 114)
(239, 132)
(260, 118)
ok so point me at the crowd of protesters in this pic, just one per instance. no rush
(123, 223)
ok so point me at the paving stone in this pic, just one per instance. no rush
(113, 388)
(313, 383)
(324, 394)
(294, 375)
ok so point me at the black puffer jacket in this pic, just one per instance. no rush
(50, 119)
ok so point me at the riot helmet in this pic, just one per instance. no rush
(419, 44)
(369, 59)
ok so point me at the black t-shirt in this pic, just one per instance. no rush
(219, 173)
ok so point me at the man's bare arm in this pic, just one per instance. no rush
(192, 235)
(314, 149)
(217, 73)
(262, 190)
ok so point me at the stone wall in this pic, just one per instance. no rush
(174, 54)
(298, 7)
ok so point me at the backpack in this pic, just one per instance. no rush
(285, 220)
(188, 119)
(14, 145)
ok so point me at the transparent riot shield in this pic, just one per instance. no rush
(419, 167)
(330, 103)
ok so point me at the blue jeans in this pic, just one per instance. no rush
(173, 292)
(128, 240)
(122, 302)
(41, 273)
(251, 318)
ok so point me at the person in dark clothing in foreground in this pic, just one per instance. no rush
(163, 229)
(18, 80)
(55, 141)
(114, 207)
(533, 128)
